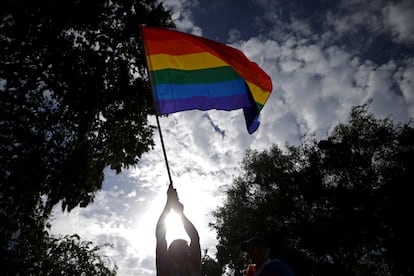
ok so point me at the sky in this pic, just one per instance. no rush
(323, 57)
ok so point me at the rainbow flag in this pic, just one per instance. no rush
(191, 72)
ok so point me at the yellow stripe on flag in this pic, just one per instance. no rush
(259, 95)
(184, 62)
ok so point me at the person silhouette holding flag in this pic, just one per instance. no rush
(180, 258)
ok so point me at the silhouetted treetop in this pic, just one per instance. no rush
(332, 207)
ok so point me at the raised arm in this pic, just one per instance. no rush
(193, 234)
(162, 259)
(161, 230)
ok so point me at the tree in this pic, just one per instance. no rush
(70, 255)
(210, 267)
(74, 99)
(334, 207)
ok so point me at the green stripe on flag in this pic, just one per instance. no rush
(210, 75)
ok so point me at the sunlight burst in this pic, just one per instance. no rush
(175, 228)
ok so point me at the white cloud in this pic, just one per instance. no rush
(315, 85)
(405, 79)
(234, 35)
(386, 100)
(113, 218)
(399, 18)
(182, 15)
(376, 17)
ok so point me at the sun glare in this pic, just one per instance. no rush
(143, 233)
(175, 228)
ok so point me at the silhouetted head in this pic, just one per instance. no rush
(257, 248)
(179, 251)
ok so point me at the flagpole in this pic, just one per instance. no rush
(163, 150)
(156, 113)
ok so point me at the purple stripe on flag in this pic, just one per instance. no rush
(204, 103)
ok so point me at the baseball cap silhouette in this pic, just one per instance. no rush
(255, 241)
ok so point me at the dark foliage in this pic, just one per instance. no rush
(69, 255)
(335, 207)
(210, 267)
(74, 99)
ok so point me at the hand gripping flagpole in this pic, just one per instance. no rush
(163, 149)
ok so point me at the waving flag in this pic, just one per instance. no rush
(191, 72)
